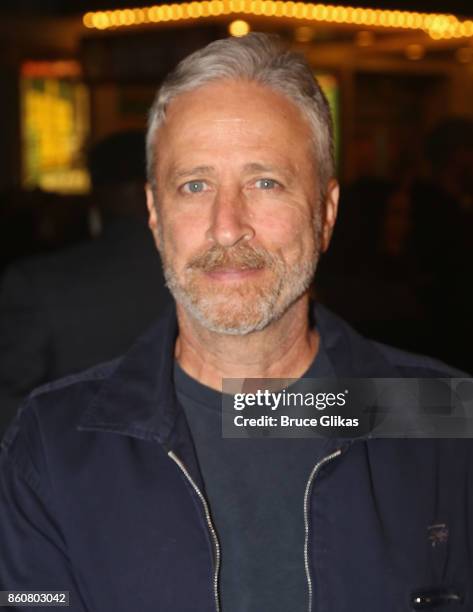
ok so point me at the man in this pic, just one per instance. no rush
(117, 485)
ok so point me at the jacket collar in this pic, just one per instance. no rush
(138, 397)
(351, 355)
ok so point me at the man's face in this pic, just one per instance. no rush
(236, 213)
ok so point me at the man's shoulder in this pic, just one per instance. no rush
(58, 406)
(120, 395)
(89, 378)
(354, 355)
(415, 365)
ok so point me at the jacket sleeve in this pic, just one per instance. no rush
(23, 341)
(33, 551)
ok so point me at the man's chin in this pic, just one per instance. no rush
(231, 318)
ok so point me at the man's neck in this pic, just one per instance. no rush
(284, 349)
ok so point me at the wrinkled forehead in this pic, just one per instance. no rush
(235, 112)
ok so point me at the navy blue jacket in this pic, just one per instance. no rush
(101, 495)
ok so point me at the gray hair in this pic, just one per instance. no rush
(255, 57)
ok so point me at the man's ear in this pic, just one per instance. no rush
(330, 209)
(152, 213)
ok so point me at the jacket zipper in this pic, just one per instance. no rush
(308, 489)
(210, 525)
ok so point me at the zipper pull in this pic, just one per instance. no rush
(426, 600)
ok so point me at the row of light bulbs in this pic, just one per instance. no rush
(438, 26)
(363, 38)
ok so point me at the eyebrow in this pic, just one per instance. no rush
(250, 168)
(257, 167)
(196, 171)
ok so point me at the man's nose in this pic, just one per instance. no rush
(230, 222)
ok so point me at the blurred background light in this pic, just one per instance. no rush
(239, 28)
(438, 26)
(415, 52)
(364, 38)
(464, 55)
(304, 34)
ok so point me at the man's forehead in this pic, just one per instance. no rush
(244, 126)
(219, 95)
(259, 116)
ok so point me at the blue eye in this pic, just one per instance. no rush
(266, 183)
(194, 186)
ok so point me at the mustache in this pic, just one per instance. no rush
(240, 257)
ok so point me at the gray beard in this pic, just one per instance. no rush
(265, 307)
(239, 316)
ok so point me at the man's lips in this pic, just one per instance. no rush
(232, 273)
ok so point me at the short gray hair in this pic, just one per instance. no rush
(255, 57)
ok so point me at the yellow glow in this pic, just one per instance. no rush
(195, 9)
(464, 55)
(415, 52)
(215, 7)
(398, 19)
(205, 8)
(417, 21)
(468, 28)
(279, 8)
(256, 7)
(345, 15)
(290, 8)
(138, 15)
(448, 26)
(100, 20)
(301, 10)
(129, 17)
(436, 25)
(356, 15)
(54, 129)
(113, 18)
(153, 13)
(304, 34)
(265, 9)
(176, 11)
(88, 20)
(365, 38)
(238, 6)
(239, 28)
(383, 18)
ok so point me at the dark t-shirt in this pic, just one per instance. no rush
(255, 489)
